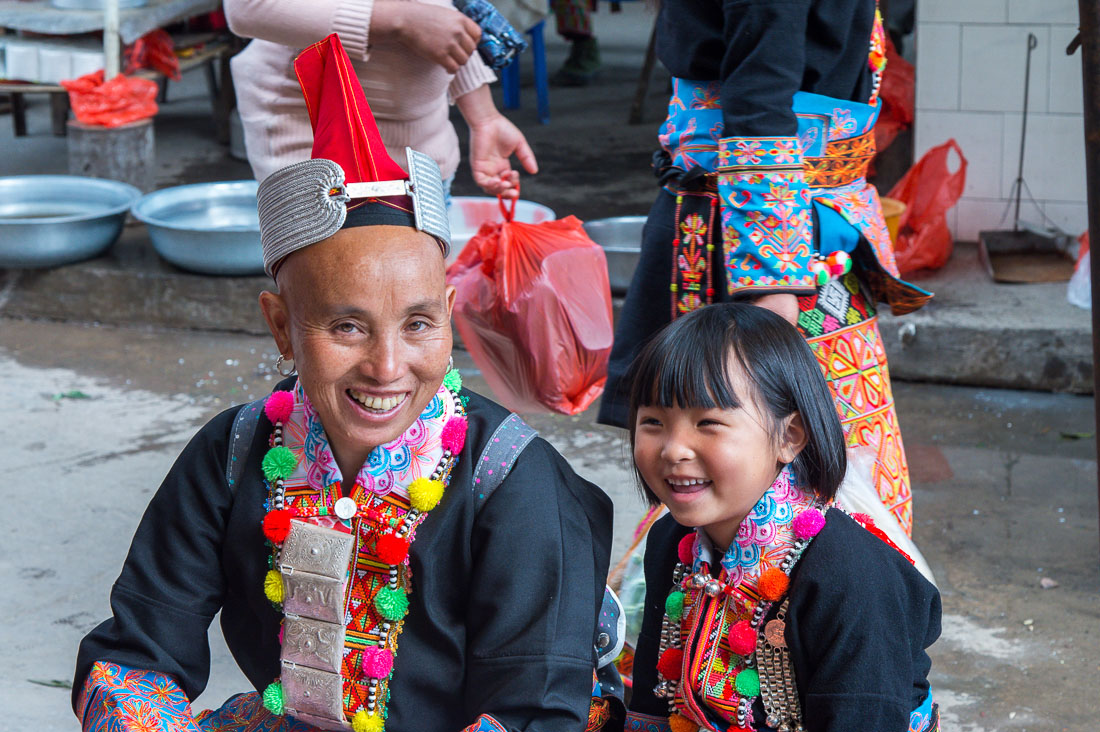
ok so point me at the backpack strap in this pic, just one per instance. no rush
(498, 456)
(500, 453)
(240, 440)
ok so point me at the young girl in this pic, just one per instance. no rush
(767, 608)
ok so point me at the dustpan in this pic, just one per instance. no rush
(1026, 253)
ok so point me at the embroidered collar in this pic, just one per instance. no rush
(764, 537)
(391, 467)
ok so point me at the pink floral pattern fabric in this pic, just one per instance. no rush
(390, 468)
(765, 536)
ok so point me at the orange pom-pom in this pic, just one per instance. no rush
(773, 584)
(670, 663)
(277, 525)
(680, 723)
(392, 549)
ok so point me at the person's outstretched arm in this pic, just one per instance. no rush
(493, 140)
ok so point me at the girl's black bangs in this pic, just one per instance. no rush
(679, 377)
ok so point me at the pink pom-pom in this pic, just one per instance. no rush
(279, 406)
(684, 549)
(281, 631)
(454, 434)
(808, 523)
(742, 638)
(377, 662)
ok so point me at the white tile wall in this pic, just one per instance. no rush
(993, 61)
(979, 135)
(963, 11)
(1054, 159)
(979, 214)
(1065, 72)
(939, 67)
(1041, 11)
(970, 78)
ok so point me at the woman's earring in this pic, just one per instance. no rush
(281, 361)
(451, 363)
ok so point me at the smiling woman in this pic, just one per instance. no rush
(306, 518)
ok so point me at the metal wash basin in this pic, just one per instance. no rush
(210, 228)
(50, 220)
(621, 239)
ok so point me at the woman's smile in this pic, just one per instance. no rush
(376, 405)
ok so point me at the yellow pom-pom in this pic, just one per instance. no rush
(364, 722)
(273, 586)
(424, 493)
(680, 723)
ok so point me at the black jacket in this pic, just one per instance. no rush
(859, 621)
(503, 604)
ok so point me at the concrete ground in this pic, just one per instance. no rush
(1005, 481)
(93, 416)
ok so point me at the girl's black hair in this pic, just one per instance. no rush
(687, 365)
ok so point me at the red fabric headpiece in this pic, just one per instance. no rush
(344, 129)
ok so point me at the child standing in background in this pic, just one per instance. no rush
(767, 608)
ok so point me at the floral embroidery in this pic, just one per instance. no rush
(692, 279)
(786, 151)
(748, 152)
(117, 698)
(636, 722)
(706, 96)
(843, 125)
(485, 723)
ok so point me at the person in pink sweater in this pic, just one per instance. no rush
(413, 57)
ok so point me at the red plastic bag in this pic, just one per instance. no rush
(155, 50)
(119, 101)
(928, 190)
(897, 94)
(534, 310)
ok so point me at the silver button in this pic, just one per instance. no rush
(346, 508)
(603, 640)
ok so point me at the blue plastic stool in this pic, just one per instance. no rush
(509, 76)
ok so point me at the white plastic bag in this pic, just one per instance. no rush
(1079, 292)
(858, 495)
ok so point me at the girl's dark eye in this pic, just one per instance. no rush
(651, 421)
(708, 423)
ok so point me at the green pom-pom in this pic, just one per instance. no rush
(392, 603)
(674, 606)
(748, 683)
(453, 380)
(273, 698)
(279, 463)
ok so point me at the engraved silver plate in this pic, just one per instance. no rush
(314, 596)
(310, 548)
(429, 204)
(319, 723)
(313, 692)
(313, 643)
